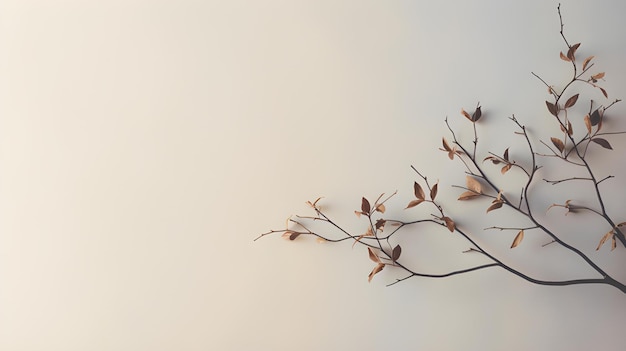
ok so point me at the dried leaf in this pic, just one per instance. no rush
(419, 192)
(464, 113)
(563, 57)
(552, 108)
(379, 267)
(373, 256)
(602, 142)
(604, 239)
(290, 235)
(595, 117)
(518, 239)
(598, 76)
(494, 206)
(570, 128)
(494, 160)
(468, 195)
(558, 143)
(473, 184)
(320, 240)
(395, 253)
(358, 214)
(604, 92)
(449, 223)
(446, 146)
(572, 51)
(414, 203)
(613, 243)
(380, 224)
(477, 114)
(506, 154)
(586, 62)
(506, 168)
(365, 206)
(380, 208)
(571, 101)
(433, 191)
(588, 124)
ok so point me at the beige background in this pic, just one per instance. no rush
(145, 144)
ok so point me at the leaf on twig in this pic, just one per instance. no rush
(414, 203)
(320, 240)
(395, 253)
(558, 143)
(433, 191)
(571, 101)
(380, 224)
(365, 206)
(604, 92)
(473, 184)
(586, 62)
(595, 117)
(380, 208)
(451, 150)
(419, 192)
(290, 235)
(496, 204)
(477, 114)
(572, 51)
(604, 239)
(449, 223)
(506, 168)
(602, 142)
(552, 108)
(373, 255)
(518, 239)
(563, 57)
(467, 115)
(379, 267)
(597, 76)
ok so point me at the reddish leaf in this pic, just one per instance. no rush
(558, 143)
(414, 203)
(586, 62)
(395, 253)
(419, 192)
(365, 206)
(379, 267)
(552, 108)
(563, 57)
(572, 51)
(506, 168)
(602, 142)
(518, 239)
(494, 206)
(604, 92)
(446, 146)
(464, 113)
(571, 101)
(588, 123)
(598, 76)
(604, 239)
(449, 223)
(373, 256)
(433, 192)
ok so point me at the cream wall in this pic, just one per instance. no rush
(145, 144)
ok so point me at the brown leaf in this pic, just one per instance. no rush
(518, 239)
(464, 113)
(473, 184)
(446, 146)
(613, 243)
(506, 168)
(380, 208)
(494, 160)
(449, 223)
(604, 92)
(604, 239)
(586, 62)
(571, 101)
(379, 267)
(380, 224)
(433, 192)
(602, 142)
(570, 128)
(595, 117)
(365, 206)
(320, 240)
(291, 235)
(598, 76)
(552, 108)
(563, 57)
(419, 192)
(572, 51)
(373, 256)
(506, 154)
(468, 195)
(558, 143)
(494, 206)
(588, 124)
(477, 114)
(395, 253)
(414, 203)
